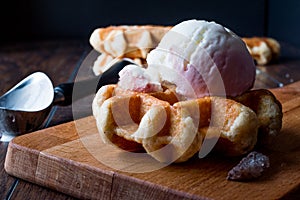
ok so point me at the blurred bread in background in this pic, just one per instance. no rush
(264, 50)
(116, 42)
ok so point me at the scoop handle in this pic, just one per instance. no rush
(63, 93)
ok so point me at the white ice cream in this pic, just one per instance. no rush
(203, 59)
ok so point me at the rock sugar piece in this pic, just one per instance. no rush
(250, 167)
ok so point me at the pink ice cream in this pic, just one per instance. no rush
(202, 59)
(138, 79)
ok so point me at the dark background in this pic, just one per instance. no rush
(72, 19)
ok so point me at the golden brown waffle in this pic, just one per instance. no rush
(128, 41)
(116, 42)
(105, 61)
(175, 131)
(263, 49)
(268, 110)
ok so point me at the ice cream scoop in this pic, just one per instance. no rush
(202, 59)
(26, 106)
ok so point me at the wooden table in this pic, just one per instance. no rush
(61, 60)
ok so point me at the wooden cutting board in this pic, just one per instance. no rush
(71, 158)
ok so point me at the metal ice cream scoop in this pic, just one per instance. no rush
(26, 106)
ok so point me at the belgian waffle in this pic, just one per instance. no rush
(115, 42)
(263, 49)
(169, 129)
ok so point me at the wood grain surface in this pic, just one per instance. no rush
(69, 158)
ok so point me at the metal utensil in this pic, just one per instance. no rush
(26, 106)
